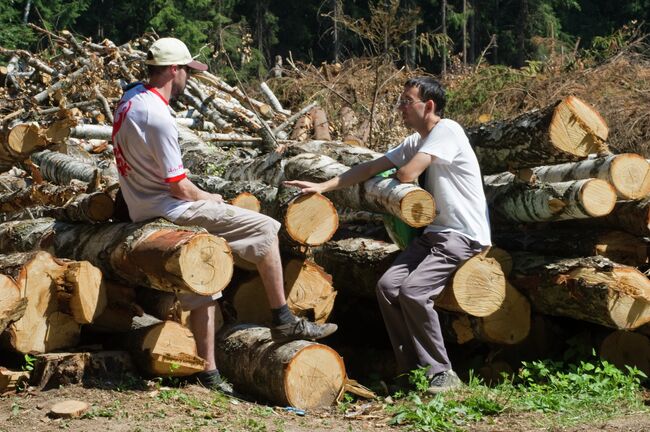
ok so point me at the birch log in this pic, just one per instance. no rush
(157, 254)
(301, 374)
(307, 219)
(619, 246)
(42, 194)
(273, 100)
(341, 152)
(61, 169)
(231, 189)
(592, 289)
(321, 125)
(629, 174)
(562, 132)
(577, 199)
(410, 203)
(90, 208)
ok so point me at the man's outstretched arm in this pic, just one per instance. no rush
(356, 174)
(185, 190)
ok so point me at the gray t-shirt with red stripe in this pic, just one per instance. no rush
(145, 143)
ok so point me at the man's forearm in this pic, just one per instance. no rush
(185, 190)
(357, 174)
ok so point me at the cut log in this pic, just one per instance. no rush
(307, 219)
(321, 125)
(157, 254)
(302, 129)
(164, 349)
(577, 199)
(410, 203)
(356, 264)
(477, 288)
(230, 190)
(629, 174)
(68, 409)
(279, 130)
(121, 308)
(301, 374)
(62, 169)
(307, 287)
(57, 369)
(247, 201)
(619, 246)
(562, 132)
(630, 216)
(61, 294)
(623, 348)
(341, 152)
(12, 305)
(91, 208)
(43, 194)
(592, 289)
(12, 380)
(273, 100)
(24, 139)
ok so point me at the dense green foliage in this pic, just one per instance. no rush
(253, 32)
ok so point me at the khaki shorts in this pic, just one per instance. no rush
(249, 235)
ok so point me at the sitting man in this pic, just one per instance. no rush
(154, 184)
(440, 149)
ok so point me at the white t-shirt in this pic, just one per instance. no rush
(148, 157)
(453, 178)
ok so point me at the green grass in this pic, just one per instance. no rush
(581, 393)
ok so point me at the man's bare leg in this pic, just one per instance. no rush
(202, 324)
(270, 270)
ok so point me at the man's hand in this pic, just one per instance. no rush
(216, 198)
(305, 186)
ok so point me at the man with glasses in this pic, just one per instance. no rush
(154, 184)
(439, 149)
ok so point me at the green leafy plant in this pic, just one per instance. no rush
(30, 362)
(419, 379)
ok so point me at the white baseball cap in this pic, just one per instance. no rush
(172, 51)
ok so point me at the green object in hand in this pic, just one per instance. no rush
(399, 232)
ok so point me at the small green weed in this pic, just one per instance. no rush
(419, 379)
(30, 362)
(345, 404)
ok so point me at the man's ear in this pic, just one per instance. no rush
(430, 105)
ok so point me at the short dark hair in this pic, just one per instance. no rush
(430, 89)
(153, 70)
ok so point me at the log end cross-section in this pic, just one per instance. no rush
(311, 219)
(418, 208)
(597, 197)
(577, 128)
(630, 176)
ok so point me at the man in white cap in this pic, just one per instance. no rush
(154, 184)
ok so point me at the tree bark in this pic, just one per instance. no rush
(619, 246)
(341, 152)
(562, 132)
(12, 380)
(307, 287)
(579, 199)
(62, 169)
(321, 125)
(12, 306)
(592, 289)
(413, 205)
(629, 174)
(90, 208)
(301, 374)
(157, 254)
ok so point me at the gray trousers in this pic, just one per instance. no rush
(406, 293)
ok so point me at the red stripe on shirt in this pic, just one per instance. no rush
(175, 179)
(154, 91)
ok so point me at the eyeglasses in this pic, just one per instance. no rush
(187, 69)
(407, 102)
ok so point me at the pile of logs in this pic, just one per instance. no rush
(71, 263)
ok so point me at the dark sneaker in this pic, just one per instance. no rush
(301, 329)
(212, 380)
(444, 381)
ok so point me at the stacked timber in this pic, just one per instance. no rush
(574, 218)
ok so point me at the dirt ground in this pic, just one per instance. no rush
(192, 408)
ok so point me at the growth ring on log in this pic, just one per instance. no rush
(576, 122)
(598, 197)
(418, 208)
(311, 219)
(630, 176)
(204, 274)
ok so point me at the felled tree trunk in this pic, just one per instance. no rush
(577, 199)
(52, 370)
(562, 132)
(307, 287)
(592, 289)
(23, 140)
(43, 194)
(301, 374)
(91, 208)
(321, 125)
(477, 287)
(157, 254)
(60, 295)
(410, 203)
(625, 348)
(121, 309)
(629, 174)
(356, 264)
(164, 349)
(12, 305)
(307, 219)
(619, 246)
(232, 189)
(341, 152)
(62, 169)
(630, 216)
